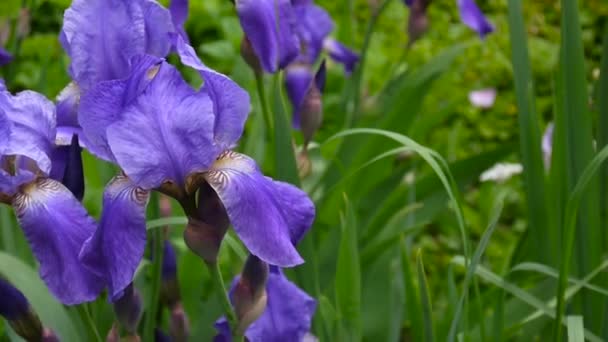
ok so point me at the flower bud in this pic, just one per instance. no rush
(128, 309)
(73, 176)
(15, 308)
(169, 291)
(204, 235)
(179, 327)
(249, 55)
(418, 22)
(304, 164)
(49, 336)
(249, 294)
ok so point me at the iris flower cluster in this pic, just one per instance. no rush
(128, 106)
(291, 35)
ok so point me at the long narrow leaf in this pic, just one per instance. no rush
(425, 300)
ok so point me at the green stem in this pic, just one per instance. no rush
(157, 263)
(216, 274)
(86, 318)
(259, 81)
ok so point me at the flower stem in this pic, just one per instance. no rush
(157, 263)
(259, 81)
(216, 274)
(86, 318)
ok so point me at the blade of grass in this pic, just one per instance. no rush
(602, 130)
(412, 302)
(348, 278)
(586, 179)
(483, 243)
(576, 329)
(588, 242)
(544, 238)
(425, 300)
(542, 307)
(551, 272)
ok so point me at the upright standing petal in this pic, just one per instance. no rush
(313, 25)
(117, 247)
(56, 226)
(166, 134)
(102, 36)
(179, 15)
(105, 102)
(341, 54)
(231, 103)
(472, 16)
(263, 217)
(269, 26)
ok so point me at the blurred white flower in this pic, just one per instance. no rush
(483, 98)
(501, 172)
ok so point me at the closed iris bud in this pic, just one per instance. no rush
(204, 235)
(15, 308)
(249, 56)
(170, 294)
(179, 327)
(418, 22)
(128, 309)
(305, 93)
(73, 177)
(249, 294)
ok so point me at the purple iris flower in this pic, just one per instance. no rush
(313, 26)
(5, 57)
(471, 16)
(287, 317)
(55, 223)
(547, 145)
(103, 38)
(269, 26)
(161, 131)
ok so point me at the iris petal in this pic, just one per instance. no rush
(102, 36)
(231, 103)
(275, 45)
(166, 133)
(313, 25)
(56, 225)
(264, 213)
(5, 57)
(287, 317)
(341, 54)
(117, 247)
(105, 102)
(33, 126)
(472, 16)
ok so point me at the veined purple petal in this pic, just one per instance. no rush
(298, 78)
(166, 133)
(6, 127)
(179, 15)
(105, 103)
(102, 36)
(341, 54)
(472, 16)
(5, 57)
(264, 213)
(231, 103)
(56, 225)
(67, 106)
(313, 25)
(33, 126)
(117, 247)
(287, 317)
(269, 26)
